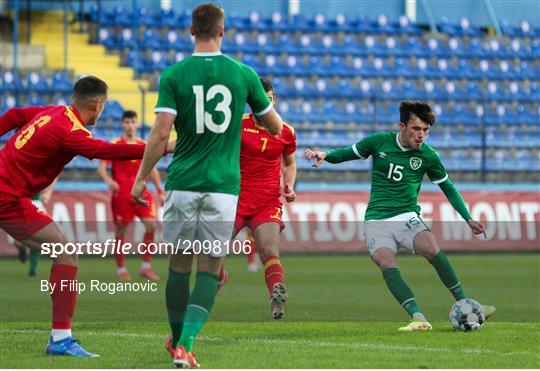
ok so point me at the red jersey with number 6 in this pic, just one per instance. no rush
(260, 161)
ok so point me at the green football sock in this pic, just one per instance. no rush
(33, 258)
(199, 306)
(448, 276)
(401, 291)
(177, 297)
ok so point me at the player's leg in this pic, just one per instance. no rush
(63, 270)
(425, 245)
(22, 251)
(123, 214)
(33, 258)
(253, 259)
(382, 247)
(267, 239)
(215, 224)
(150, 226)
(179, 224)
(119, 257)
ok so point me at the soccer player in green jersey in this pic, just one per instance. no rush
(204, 97)
(400, 160)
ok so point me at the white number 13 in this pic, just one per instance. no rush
(203, 118)
(394, 172)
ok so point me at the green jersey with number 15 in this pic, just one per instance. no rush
(208, 93)
(397, 174)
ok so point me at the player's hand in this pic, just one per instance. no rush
(137, 192)
(289, 193)
(477, 227)
(113, 186)
(161, 197)
(317, 155)
(171, 146)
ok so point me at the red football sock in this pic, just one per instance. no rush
(252, 255)
(147, 238)
(63, 298)
(273, 272)
(118, 255)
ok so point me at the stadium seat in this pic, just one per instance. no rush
(36, 82)
(11, 82)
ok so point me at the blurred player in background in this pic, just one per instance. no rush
(124, 209)
(49, 138)
(204, 97)
(32, 255)
(393, 219)
(259, 204)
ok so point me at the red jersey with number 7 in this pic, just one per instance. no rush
(49, 139)
(260, 160)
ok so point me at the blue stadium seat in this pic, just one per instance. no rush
(432, 90)
(263, 43)
(127, 38)
(383, 25)
(11, 82)
(169, 19)
(148, 17)
(107, 38)
(495, 92)
(61, 82)
(7, 102)
(382, 68)
(425, 70)
(36, 82)
(407, 27)
(157, 62)
(389, 90)
(276, 22)
(403, 68)
(474, 91)
(152, 39)
(520, 49)
(477, 49)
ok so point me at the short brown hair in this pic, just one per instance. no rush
(206, 21)
(89, 88)
(421, 109)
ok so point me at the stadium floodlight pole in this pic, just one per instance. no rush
(135, 39)
(492, 17)
(429, 15)
(15, 35)
(65, 35)
(410, 10)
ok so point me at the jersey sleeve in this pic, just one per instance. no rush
(81, 142)
(436, 172)
(18, 117)
(166, 95)
(257, 99)
(364, 148)
(290, 147)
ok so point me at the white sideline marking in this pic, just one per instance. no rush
(370, 346)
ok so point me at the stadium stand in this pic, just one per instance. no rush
(343, 77)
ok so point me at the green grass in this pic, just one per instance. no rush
(339, 315)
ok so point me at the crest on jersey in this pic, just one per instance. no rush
(415, 163)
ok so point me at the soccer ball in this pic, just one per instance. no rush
(467, 315)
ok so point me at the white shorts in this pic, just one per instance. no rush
(398, 231)
(195, 216)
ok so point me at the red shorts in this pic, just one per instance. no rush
(124, 209)
(251, 214)
(21, 218)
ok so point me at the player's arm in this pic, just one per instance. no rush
(156, 145)
(360, 150)
(289, 177)
(104, 174)
(437, 174)
(456, 200)
(18, 117)
(271, 120)
(155, 178)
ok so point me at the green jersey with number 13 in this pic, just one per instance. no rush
(208, 93)
(397, 174)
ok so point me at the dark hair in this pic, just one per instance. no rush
(267, 85)
(129, 115)
(88, 88)
(206, 21)
(421, 109)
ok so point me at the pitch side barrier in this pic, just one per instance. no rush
(322, 222)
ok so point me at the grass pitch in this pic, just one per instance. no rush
(339, 315)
